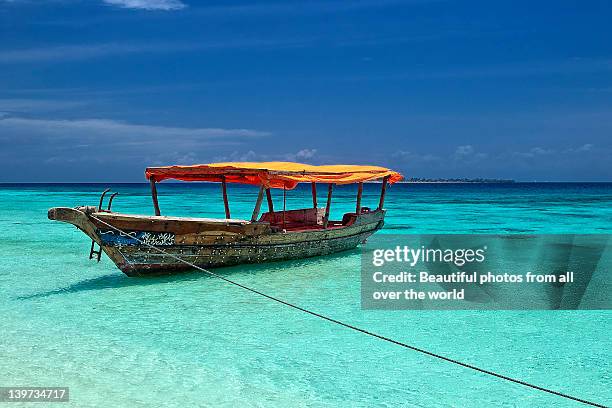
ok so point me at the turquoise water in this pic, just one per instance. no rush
(192, 340)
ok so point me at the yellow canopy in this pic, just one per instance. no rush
(273, 174)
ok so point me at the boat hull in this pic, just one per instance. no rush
(142, 246)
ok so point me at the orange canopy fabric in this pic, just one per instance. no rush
(273, 174)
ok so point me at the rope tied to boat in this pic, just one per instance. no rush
(355, 328)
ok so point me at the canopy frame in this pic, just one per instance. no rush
(269, 175)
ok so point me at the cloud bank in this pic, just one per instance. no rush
(110, 141)
(166, 5)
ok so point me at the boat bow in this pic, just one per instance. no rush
(78, 216)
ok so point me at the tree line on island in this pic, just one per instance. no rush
(456, 180)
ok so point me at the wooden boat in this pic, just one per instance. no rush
(133, 242)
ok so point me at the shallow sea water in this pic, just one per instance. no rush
(193, 340)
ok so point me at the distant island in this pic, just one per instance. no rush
(456, 180)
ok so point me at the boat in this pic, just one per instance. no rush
(142, 245)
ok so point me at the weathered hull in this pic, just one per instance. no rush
(151, 245)
(144, 260)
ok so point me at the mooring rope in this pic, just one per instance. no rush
(355, 328)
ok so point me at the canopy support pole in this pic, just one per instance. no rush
(225, 200)
(314, 195)
(359, 193)
(154, 196)
(284, 204)
(270, 203)
(383, 190)
(258, 204)
(330, 188)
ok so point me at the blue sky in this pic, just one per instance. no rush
(96, 90)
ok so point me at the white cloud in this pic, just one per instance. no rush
(24, 105)
(462, 151)
(585, 148)
(405, 156)
(238, 157)
(302, 155)
(306, 154)
(464, 154)
(467, 154)
(76, 52)
(111, 140)
(540, 151)
(148, 4)
(119, 128)
(534, 152)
